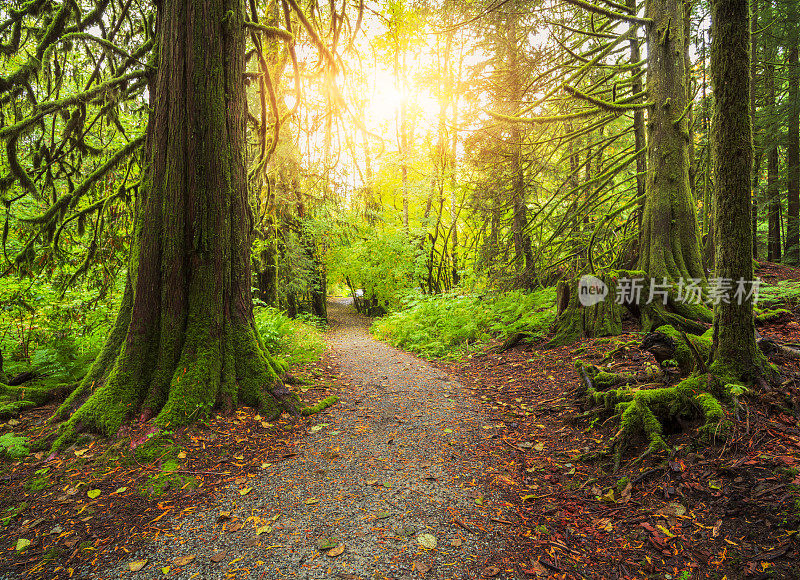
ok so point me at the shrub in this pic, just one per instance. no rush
(448, 326)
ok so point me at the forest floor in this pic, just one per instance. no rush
(423, 470)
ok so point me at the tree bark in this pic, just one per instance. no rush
(773, 193)
(793, 144)
(735, 352)
(184, 341)
(669, 243)
(754, 174)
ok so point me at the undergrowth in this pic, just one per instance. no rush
(296, 341)
(782, 293)
(449, 326)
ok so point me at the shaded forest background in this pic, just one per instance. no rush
(414, 154)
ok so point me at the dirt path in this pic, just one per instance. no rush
(385, 472)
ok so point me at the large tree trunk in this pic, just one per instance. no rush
(184, 341)
(669, 243)
(735, 352)
(754, 174)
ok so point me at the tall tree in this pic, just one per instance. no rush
(669, 243)
(736, 355)
(184, 340)
(793, 139)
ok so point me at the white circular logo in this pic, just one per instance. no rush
(591, 290)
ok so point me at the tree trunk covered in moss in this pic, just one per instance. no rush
(575, 321)
(184, 341)
(669, 243)
(735, 352)
(793, 143)
(773, 192)
(757, 150)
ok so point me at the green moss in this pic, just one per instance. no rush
(40, 481)
(159, 446)
(13, 446)
(683, 354)
(323, 404)
(9, 410)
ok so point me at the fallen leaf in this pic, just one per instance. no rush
(93, 493)
(536, 569)
(479, 500)
(326, 543)
(182, 455)
(183, 560)
(604, 525)
(448, 430)
(137, 565)
(218, 556)
(715, 529)
(265, 465)
(456, 543)
(245, 491)
(383, 515)
(120, 489)
(491, 571)
(371, 481)
(421, 567)
(538, 447)
(427, 541)
(311, 501)
(81, 452)
(608, 496)
(625, 496)
(22, 543)
(234, 527)
(223, 516)
(263, 530)
(239, 480)
(336, 551)
(165, 570)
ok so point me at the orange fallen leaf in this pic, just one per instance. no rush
(336, 551)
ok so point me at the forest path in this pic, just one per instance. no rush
(383, 472)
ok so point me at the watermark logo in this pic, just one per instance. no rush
(591, 290)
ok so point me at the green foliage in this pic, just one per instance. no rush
(13, 446)
(386, 266)
(778, 294)
(448, 326)
(40, 481)
(56, 333)
(295, 341)
(12, 512)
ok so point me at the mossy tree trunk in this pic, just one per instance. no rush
(184, 341)
(669, 245)
(736, 356)
(793, 142)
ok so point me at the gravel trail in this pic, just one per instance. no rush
(385, 473)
